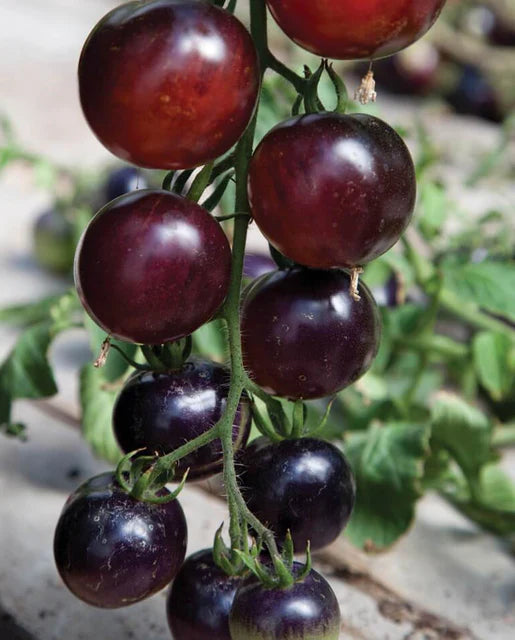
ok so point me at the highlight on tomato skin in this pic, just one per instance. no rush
(330, 190)
(152, 267)
(112, 550)
(168, 84)
(355, 29)
(304, 336)
(308, 610)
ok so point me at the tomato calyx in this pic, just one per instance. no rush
(275, 571)
(145, 477)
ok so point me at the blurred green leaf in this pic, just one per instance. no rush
(433, 209)
(493, 507)
(23, 315)
(465, 432)
(489, 285)
(388, 466)
(97, 398)
(493, 359)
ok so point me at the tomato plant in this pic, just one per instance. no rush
(173, 84)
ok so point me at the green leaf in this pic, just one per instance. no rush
(493, 359)
(97, 398)
(388, 466)
(30, 313)
(26, 373)
(115, 366)
(494, 505)
(489, 285)
(433, 209)
(464, 431)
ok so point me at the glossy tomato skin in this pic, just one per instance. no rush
(306, 611)
(330, 190)
(352, 30)
(200, 600)
(162, 411)
(304, 486)
(152, 267)
(303, 336)
(112, 550)
(168, 84)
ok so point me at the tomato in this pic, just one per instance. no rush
(112, 550)
(168, 84)
(354, 29)
(331, 190)
(306, 611)
(54, 242)
(304, 336)
(152, 267)
(304, 486)
(200, 600)
(161, 411)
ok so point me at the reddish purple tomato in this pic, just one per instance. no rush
(112, 550)
(200, 600)
(304, 486)
(352, 29)
(160, 412)
(168, 84)
(330, 190)
(304, 336)
(306, 611)
(152, 267)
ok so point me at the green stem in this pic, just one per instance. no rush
(298, 82)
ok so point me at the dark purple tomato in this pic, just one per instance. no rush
(159, 412)
(152, 267)
(390, 294)
(304, 486)
(168, 84)
(304, 336)
(306, 611)
(257, 264)
(200, 600)
(123, 180)
(351, 29)
(330, 190)
(112, 550)
(54, 242)
(475, 95)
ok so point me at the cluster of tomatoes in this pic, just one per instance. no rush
(173, 84)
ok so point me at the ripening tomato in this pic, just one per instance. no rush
(355, 29)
